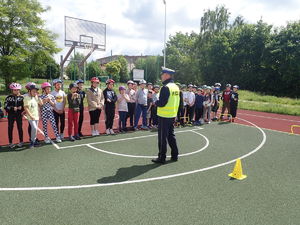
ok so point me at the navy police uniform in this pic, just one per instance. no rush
(169, 97)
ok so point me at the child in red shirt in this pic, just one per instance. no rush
(226, 100)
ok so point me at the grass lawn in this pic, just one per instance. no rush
(267, 103)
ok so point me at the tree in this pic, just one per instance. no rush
(151, 66)
(124, 74)
(113, 69)
(22, 33)
(93, 69)
(181, 57)
(73, 71)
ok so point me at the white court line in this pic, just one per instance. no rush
(120, 139)
(282, 132)
(267, 117)
(145, 179)
(150, 157)
(55, 145)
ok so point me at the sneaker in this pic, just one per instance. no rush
(94, 133)
(20, 145)
(97, 132)
(107, 131)
(80, 134)
(77, 137)
(111, 131)
(71, 138)
(58, 140)
(31, 144)
(61, 136)
(47, 140)
(144, 127)
(11, 146)
(36, 143)
(135, 129)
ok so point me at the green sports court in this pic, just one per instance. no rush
(111, 180)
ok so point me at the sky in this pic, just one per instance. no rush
(136, 27)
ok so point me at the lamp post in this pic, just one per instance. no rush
(165, 37)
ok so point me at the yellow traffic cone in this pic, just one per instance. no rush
(237, 172)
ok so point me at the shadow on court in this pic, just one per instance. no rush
(127, 173)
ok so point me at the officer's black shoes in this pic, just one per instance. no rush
(158, 160)
(174, 159)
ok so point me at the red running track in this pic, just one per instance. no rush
(270, 121)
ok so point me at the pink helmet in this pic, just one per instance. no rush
(27, 86)
(15, 86)
(45, 84)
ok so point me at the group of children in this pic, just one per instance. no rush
(133, 102)
(201, 104)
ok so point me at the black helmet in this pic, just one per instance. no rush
(33, 86)
(73, 85)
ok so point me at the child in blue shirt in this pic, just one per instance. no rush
(199, 98)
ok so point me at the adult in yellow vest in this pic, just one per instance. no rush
(167, 108)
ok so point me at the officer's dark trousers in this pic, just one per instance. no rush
(166, 134)
(233, 109)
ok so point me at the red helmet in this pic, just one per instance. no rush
(15, 86)
(110, 81)
(95, 79)
(45, 84)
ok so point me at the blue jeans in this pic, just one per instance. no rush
(140, 109)
(122, 120)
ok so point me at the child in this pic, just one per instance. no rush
(47, 112)
(226, 100)
(131, 104)
(149, 86)
(234, 100)
(149, 108)
(208, 101)
(73, 113)
(183, 111)
(110, 99)
(155, 97)
(199, 98)
(141, 107)
(31, 106)
(190, 100)
(95, 101)
(81, 107)
(26, 94)
(123, 98)
(14, 107)
(216, 102)
(59, 108)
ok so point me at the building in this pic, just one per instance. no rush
(131, 60)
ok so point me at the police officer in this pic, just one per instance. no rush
(167, 108)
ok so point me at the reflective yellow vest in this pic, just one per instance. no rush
(171, 108)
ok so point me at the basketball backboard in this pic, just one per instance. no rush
(85, 34)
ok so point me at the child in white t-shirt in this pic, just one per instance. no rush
(123, 99)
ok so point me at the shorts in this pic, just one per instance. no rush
(94, 116)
